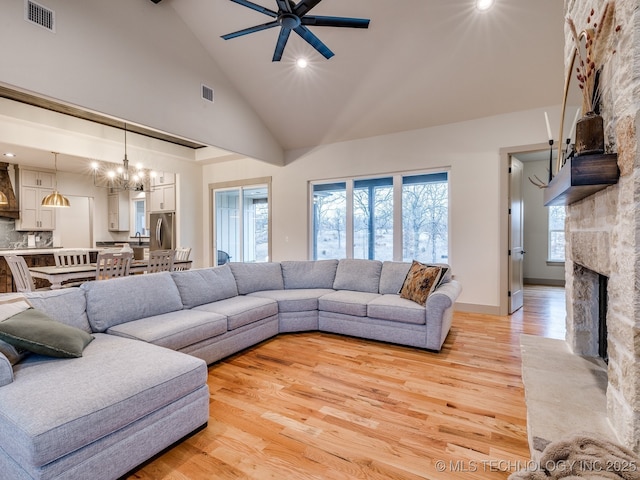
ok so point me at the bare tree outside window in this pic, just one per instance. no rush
(425, 210)
(421, 228)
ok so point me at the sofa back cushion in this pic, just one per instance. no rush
(392, 276)
(358, 275)
(205, 285)
(309, 273)
(68, 306)
(257, 277)
(119, 300)
(394, 273)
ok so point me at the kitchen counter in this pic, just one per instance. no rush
(36, 251)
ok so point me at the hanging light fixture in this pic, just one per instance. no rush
(122, 178)
(55, 199)
(3, 199)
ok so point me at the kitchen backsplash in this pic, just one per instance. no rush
(11, 238)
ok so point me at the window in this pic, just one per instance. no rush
(401, 217)
(139, 216)
(557, 217)
(241, 223)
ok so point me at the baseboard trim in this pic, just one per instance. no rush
(544, 281)
(474, 308)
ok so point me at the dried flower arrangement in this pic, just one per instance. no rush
(597, 48)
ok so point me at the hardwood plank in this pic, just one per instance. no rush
(322, 406)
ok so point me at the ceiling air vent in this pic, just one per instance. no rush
(39, 15)
(207, 93)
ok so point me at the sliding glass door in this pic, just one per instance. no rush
(241, 224)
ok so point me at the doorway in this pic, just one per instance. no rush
(241, 222)
(526, 229)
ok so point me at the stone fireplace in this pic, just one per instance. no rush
(603, 230)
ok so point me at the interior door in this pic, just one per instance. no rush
(516, 235)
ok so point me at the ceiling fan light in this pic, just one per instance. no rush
(55, 199)
(484, 5)
(302, 63)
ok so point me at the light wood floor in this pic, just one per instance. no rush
(322, 406)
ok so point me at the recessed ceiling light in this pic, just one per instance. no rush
(302, 63)
(484, 5)
(10, 155)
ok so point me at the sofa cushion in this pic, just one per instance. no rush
(67, 305)
(392, 276)
(242, 310)
(174, 330)
(73, 402)
(205, 285)
(8, 309)
(347, 302)
(421, 281)
(309, 273)
(296, 300)
(358, 275)
(34, 331)
(120, 300)
(393, 307)
(253, 277)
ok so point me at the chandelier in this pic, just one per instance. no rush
(120, 178)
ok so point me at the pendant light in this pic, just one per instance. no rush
(3, 199)
(55, 199)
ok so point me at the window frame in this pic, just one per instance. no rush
(550, 231)
(397, 184)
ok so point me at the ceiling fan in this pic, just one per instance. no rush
(291, 16)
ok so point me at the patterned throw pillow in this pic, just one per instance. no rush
(420, 282)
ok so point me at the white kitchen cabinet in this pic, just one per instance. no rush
(162, 198)
(118, 211)
(33, 186)
(163, 178)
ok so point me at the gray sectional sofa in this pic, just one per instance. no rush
(134, 392)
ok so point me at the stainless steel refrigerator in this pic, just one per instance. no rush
(163, 233)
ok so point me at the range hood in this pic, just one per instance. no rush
(11, 210)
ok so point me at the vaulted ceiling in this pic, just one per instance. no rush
(420, 63)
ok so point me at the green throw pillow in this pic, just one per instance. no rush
(34, 331)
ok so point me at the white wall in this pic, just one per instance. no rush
(536, 218)
(472, 152)
(132, 60)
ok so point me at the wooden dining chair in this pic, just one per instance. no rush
(182, 255)
(71, 257)
(113, 264)
(21, 274)
(161, 261)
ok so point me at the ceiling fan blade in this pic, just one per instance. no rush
(257, 8)
(317, 21)
(282, 42)
(246, 31)
(305, 6)
(284, 6)
(314, 41)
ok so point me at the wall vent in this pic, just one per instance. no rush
(40, 15)
(207, 93)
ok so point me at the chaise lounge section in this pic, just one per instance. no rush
(141, 383)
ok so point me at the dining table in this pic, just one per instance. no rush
(57, 276)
